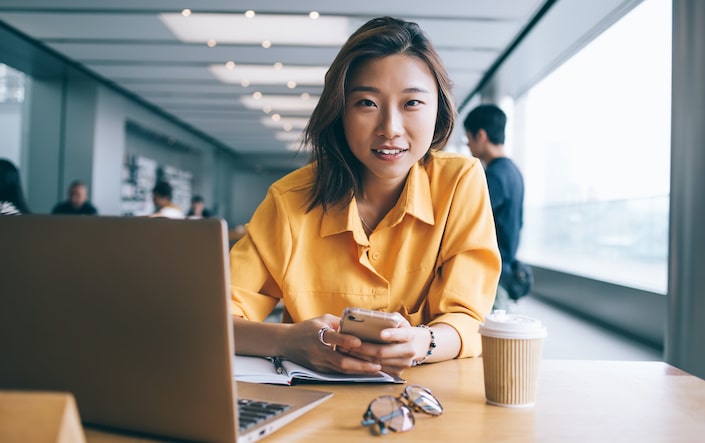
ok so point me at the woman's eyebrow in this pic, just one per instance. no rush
(362, 88)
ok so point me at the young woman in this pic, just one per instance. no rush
(379, 220)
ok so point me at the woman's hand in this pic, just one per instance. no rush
(302, 345)
(407, 344)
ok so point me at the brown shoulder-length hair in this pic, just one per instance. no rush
(337, 171)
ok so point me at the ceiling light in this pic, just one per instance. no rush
(265, 75)
(287, 136)
(305, 96)
(266, 44)
(281, 103)
(278, 29)
(211, 43)
(276, 117)
(230, 64)
(278, 66)
(266, 109)
(249, 13)
(284, 122)
(186, 12)
(313, 15)
(293, 147)
(291, 84)
(245, 83)
(257, 95)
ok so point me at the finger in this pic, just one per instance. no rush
(343, 340)
(396, 335)
(351, 365)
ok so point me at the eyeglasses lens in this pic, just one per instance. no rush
(422, 399)
(391, 413)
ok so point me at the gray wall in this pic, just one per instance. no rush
(686, 288)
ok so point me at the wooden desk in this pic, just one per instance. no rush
(577, 401)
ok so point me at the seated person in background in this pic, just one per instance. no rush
(163, 207)
(382, 219)
(198, 208)
(77, 203)
(11, 196)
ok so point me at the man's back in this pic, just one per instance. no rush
(506, 187)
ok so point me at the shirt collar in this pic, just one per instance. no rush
(415, 200)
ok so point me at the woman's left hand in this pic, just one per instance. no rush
(406, 344)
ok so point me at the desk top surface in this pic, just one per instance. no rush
(577, 401)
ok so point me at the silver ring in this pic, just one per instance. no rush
(321, 333)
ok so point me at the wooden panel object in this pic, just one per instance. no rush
(39, 417)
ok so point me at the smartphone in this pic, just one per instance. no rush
(366, 324)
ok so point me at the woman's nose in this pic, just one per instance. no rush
(391, 124)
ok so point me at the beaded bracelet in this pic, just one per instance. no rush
(431, 346)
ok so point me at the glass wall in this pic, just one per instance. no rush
(595, 138)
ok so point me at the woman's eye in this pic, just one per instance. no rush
(366, 103)
(413, 103)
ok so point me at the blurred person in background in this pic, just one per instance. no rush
(12, 200)
(161, 196)
(77, 202)
(198, 208)
(485, 130)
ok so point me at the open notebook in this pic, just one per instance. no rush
(132, 316)
(284, 372)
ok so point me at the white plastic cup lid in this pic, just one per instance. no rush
(500, 324)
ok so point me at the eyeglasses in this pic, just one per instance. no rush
(395, 413)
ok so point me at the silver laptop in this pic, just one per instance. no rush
(131, 315)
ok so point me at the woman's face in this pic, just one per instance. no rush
(390, 115)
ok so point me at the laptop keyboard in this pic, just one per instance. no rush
(253, 412)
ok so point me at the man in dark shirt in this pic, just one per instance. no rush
(77, 203)
(484, 127)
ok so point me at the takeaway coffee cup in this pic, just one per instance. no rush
(511, 353)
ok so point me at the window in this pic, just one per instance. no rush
(595, 139)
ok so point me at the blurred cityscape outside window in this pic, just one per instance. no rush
(595, 135)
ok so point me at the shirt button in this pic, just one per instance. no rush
(375, 256)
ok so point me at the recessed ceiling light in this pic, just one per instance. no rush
(278, 65)
(305, 96)
(266, 44)
(291, 84)
(284, 122)
(290, 136)
(265, 75)
(186, 12)
(276, 117)
(282, 104)
(266, 109)
(249, 13)
(230, 64)
(244, 83)
(257, 95)
(313, 15)
(211, 43)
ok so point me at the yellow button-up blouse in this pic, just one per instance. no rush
(433, 257)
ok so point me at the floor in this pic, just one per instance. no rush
(572, 338)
